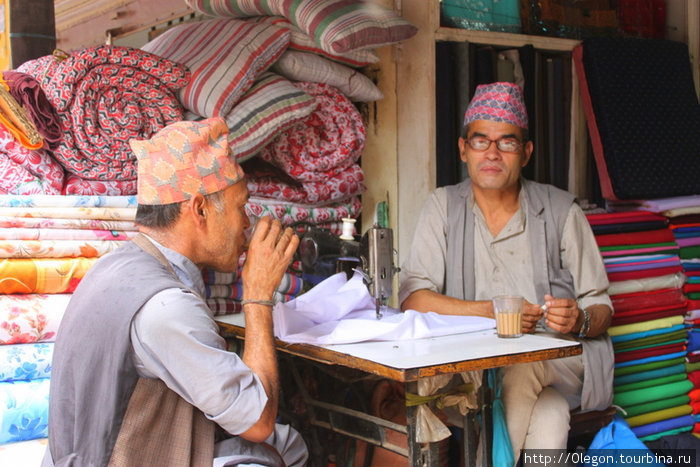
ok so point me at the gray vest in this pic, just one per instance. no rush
(93, 374)
(547, 211)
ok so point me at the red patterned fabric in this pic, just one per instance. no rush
(347, 183)
(79, 186)
(27, 172)
(325, 143)
(105, 96)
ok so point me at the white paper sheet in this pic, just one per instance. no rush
(340, 311)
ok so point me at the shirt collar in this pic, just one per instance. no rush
(186, 270)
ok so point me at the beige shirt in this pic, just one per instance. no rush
(502, 263)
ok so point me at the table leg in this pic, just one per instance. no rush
(469, 439)
(419, 454)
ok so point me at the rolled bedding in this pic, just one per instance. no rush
(104, 96)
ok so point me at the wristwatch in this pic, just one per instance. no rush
(586, 326)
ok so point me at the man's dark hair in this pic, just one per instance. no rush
(163, 216)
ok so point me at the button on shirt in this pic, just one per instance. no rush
(175, 339)
(502, 261)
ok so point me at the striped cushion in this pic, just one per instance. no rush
(337, 26)
(301, 42)
(224, 57)
(269, 107)
(301, 66)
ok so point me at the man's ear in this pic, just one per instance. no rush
(527, 153)
(197, 209)
(462, 143)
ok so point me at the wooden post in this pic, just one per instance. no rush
(28, 31)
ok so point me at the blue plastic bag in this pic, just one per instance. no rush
(616, 440)
(502, 450)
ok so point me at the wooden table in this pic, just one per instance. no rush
(408, 361)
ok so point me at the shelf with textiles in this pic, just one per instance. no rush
(504, 39)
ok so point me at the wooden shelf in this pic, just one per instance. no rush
(505, 39)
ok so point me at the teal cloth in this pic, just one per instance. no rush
(650, 374)
(656, 436)
(647, 366)
(651, 332)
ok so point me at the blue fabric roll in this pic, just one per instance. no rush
(663, 425)
(24, 406)
(693, 340)
(657, 358)
(24, 362)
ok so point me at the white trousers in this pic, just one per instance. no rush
(537, 398)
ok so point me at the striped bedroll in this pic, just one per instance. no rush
(224, 57)
(337, 26)
(270, 106)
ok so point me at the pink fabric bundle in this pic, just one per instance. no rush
(27, 172)
(324, 144)
(79, 186)
(347, 183)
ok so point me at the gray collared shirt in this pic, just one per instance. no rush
(175, 339)
(502, 263)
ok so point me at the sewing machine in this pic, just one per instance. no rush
(323, 254)
(377, 255)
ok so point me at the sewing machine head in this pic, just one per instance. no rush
(323, 254)
(377, 255)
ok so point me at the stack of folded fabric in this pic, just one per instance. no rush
(225, 290)
(651, 384)
(47, 244)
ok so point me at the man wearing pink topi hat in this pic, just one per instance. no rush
(140, 373)
(497, 233)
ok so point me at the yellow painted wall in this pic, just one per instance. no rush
(5, 52)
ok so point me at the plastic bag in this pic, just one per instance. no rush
(502, 449)
(609, 442)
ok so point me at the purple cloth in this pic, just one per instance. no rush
(642, 266)
(26, 90)
(688, 241)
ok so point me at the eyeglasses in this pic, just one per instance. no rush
(504, 144)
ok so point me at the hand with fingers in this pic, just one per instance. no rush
(532, 313)
(562, 313)
(269, 254)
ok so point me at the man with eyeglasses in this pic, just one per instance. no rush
(497, 233)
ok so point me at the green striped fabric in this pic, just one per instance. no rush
(337, 26)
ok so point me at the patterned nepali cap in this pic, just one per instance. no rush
(183, 159)
(498, 102)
